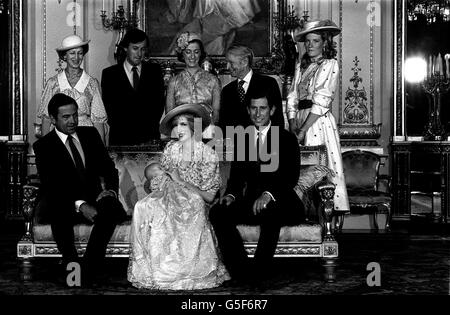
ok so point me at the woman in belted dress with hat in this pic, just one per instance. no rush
(312, 92)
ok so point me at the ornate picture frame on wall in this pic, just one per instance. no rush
(221, 24)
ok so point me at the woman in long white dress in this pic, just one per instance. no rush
(173, 243)
(309, 101)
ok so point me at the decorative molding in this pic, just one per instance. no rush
(330, 250)
(359, 143)
(355, 111)
(44, 43)
(24, 250)
(18, 119)
(290, 250)
(341, 112)
(399, 87)
(371, 66)
(360, 132)
(17, 152)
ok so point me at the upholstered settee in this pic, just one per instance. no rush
(311, 239)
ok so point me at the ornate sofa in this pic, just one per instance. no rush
(312, 239)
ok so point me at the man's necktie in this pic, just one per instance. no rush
(77, 157)
(258, 140)
(135, 78)
(241, 91)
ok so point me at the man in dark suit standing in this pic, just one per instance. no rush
(133, 94)
(79, 184)
(260, 190)
(235, 96)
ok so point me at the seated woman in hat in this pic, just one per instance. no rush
(173, 243)
(309, 101)
(193, 84)
(76, 83)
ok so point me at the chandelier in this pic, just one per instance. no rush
(431, 11)
(121, 18)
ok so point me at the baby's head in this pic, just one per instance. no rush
(152, 170)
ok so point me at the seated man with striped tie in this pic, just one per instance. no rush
(79, 183)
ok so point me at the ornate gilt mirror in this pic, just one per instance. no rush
(421, 106)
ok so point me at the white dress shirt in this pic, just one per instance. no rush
(247, 79)
(128, 70)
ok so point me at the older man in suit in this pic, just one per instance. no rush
(79, 183)
(133, 94)
(235, 97)
(260, 190)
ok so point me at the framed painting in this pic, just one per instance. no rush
(220, 23)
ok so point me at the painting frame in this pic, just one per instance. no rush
(269, 62)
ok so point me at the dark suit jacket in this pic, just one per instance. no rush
(61, 184)
(133, 116)
(280, 183)
(232, 113)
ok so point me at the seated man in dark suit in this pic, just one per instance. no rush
(235, 96)
(133, 94)
(79, 184)
(269, 172)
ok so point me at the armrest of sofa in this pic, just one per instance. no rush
(30, 199)
(326, 207)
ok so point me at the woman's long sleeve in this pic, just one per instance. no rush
(324, 86)
(50, 89)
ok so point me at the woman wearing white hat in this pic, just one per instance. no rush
(194, 85)
(309, 100)
(173, 244)
(76, 83)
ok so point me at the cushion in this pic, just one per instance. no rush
(43, 233)
(298, 233)
(309, 177)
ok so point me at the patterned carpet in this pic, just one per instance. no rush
(410, 264)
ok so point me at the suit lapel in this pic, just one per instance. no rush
(124, 78)
(62, 151)
(251, 85)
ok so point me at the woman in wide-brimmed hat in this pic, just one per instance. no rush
(309, 100)
(176, 227)
(76, 83)
(193, 84)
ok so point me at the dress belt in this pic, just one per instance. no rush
(304, 104)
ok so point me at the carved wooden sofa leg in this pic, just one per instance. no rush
(330, 246)
(329, 265)
(25, 247)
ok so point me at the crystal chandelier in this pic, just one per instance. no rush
(430, 10)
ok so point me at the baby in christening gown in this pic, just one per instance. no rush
(170, 194)
(169, 231)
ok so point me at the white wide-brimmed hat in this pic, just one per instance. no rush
(70, 42)
(198, 110)
(315, 26)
